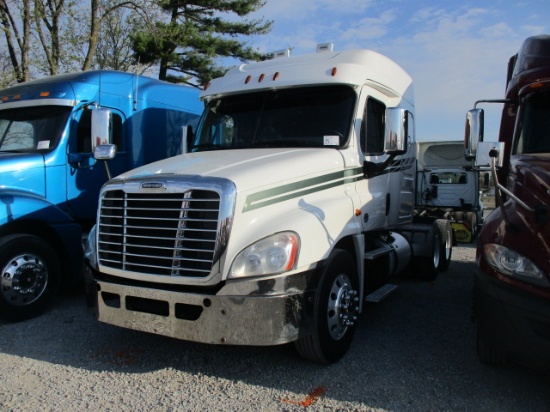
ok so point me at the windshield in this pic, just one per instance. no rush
(31, 129)
(534, 129)
(297, 117)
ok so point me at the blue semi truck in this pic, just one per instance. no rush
(50, 181)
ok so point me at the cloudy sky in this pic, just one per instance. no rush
(456, 51)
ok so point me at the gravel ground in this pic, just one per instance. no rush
(413, 352)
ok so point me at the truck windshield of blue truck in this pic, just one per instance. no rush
(294, 117)
(32, 129)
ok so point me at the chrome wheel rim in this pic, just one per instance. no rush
(343, 307)
(24, 279)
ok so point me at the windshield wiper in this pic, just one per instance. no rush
(206, 146)
(14, 151)
(279, 143)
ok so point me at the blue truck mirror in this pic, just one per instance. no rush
(101, 127)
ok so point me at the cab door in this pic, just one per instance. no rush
(373, 190)
(387, 193)
(402, 178)
(84, 174)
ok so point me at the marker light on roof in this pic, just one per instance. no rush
(333, 72)
(44, 94)
(247, 79)
(261, 78)
(276, 76)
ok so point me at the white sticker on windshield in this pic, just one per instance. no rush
(331, 140)
(43, 144)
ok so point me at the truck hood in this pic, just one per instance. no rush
(532, 186)
(248, 168)
(22, 171)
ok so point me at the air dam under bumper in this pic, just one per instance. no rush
(513, 320)
(256, 320)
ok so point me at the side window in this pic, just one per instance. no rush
(117, 132)
(84, 132)
(372, 128)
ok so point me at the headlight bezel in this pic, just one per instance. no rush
(274, 254)
(514, 265)
(90, 250)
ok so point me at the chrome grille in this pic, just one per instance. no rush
(171, 234)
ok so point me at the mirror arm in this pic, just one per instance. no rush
(492, 101)
(498, 197)
(371, 169)
(510, 227)
(494, 155)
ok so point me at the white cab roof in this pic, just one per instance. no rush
(353, 67)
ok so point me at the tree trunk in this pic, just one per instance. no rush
(94, 34)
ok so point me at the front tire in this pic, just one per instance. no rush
(335, 311)
(29, 277)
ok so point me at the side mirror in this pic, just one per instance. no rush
(396, 135)
(101, 127)
(487, 150)
(473, 133)
(105, 152)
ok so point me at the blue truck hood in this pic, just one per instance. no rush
(22, 171)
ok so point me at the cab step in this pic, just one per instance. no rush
(378, 253)
(381, 293)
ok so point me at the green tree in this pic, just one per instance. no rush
(195, 34)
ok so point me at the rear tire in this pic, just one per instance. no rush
(29, 278)
(426, 267)
(335, 311)
(446, 248)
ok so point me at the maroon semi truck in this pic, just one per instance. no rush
(512, 281)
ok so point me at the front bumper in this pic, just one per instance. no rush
(512, 320)
(269, 312)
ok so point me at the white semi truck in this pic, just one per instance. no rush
(447, 187)
(292, 208)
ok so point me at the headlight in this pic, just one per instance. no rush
(510, 263)
(90, 252)
(274, 254)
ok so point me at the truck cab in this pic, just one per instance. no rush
(512, 283)
(292, 209)
(49, 179)
(448, 187)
